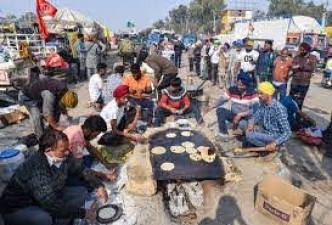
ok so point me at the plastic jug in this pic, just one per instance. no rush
(10, 159)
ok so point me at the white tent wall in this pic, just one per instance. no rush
(276, 29)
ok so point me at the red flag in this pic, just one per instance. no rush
(44, 8)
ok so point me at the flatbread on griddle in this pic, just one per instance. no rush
(167, 166)
(171, 135)
(188, 144)
(159, 150)
(202, 148)
(186, 133)
(177, 149)
(195, 157)
(191, 150)
(209, 158)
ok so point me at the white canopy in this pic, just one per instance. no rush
(72, 16)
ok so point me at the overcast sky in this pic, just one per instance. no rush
(116, 13)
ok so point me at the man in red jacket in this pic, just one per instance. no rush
(174, 101)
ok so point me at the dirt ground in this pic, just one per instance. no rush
(233, 204)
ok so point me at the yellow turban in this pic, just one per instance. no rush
(266, 88)
(69, 99)
(250, 43)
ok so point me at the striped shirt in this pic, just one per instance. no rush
(241, 102)
(273, 120)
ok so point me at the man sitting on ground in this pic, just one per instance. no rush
(296, 118)
(174, 101)
(244, 101)
(112, 82)
(139, 89)
(37, 192)
(271, 118)
(79, 137)
(96, 87)
(114, 115)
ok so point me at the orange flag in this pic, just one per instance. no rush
(44, 8)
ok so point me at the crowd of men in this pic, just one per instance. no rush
(51, 185)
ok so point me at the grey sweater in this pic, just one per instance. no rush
(36, 183)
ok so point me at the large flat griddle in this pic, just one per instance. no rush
(185, 168)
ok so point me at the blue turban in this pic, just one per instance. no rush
(245, 78)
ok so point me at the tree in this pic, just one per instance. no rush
(199, 16)
(11, 17)
(29, 17)
(295, 7)
(159, 24)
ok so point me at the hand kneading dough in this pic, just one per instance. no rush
(188, 144)
(171, 135)
(158, 150)
(177, 149)
(167, 166)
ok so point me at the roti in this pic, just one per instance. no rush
(171, 135)
(186, 133)
(195, 157)
(167, 166)
(177, 149)
(188, 144)
(158, 150)
(202, 148)
(191, 150)
(106, 213)
(209, 158)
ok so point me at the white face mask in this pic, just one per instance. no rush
(56, 161)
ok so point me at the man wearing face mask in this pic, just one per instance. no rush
(304, 66)
(244, 100)
(269, 126)
(37, 193)
(175, 101)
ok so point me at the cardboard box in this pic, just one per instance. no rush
(283, 202)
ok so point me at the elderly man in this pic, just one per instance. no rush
(244, 101)
(304, 66)
(37, 193)
(46, 99)
(271, 119)
(175, 101)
